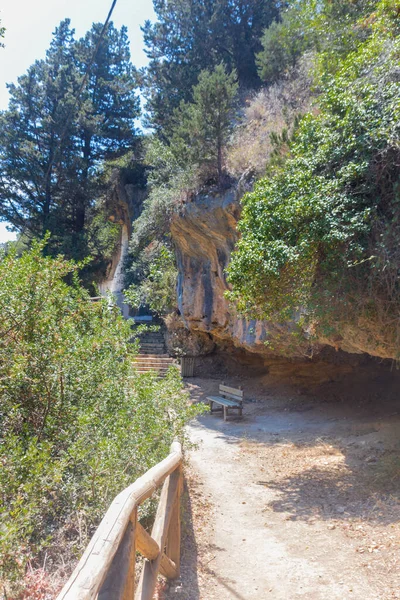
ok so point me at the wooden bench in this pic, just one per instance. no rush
(228, 398)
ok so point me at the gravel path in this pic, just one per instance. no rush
(281, 507)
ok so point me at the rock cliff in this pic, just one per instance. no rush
(124, 203)
(204, 235)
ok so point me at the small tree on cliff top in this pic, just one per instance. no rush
(202, 127)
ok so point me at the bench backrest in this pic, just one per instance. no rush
(229, 392)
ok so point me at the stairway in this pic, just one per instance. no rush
(152, 342)
(152, 355)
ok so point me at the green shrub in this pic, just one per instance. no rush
(321, 235)
(75, 428)
(157, 289)
(333, 29)
(169, 180)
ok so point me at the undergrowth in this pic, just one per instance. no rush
(77, 423)
(320, 235)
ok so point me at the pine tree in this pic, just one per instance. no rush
(52, 142)
(32, 133)
(109, 104)
(107, 109)
(202, 127)
(193, 35)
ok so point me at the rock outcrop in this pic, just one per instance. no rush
(204, 235)
(182, 341)
(124, 203)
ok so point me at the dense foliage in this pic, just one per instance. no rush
(66, 115)
(190, 36)
(201, 128)
(332, 29)
(156, 282)
(321, 234)
(75, 430)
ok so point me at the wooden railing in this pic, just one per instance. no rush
(107, 568)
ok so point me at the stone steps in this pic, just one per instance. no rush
(160, 364)
(152, 339)
(151, 349)
(152, 342)
(148, 356)
(152, 355)
(153, 365)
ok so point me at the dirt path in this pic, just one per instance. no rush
(300, 500)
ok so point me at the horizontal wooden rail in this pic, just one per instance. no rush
(107, 568)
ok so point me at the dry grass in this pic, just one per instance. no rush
(271, 110)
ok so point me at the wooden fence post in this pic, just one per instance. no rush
(119, 583)
(106, 570)
(129, 589)
(173, 550)
(148, 577)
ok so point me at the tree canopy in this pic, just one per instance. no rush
(191, 36)
(52, 142)
(331, 29)
(201, 128)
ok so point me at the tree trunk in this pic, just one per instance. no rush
(47, 187)
(219, 160)
(81, 197)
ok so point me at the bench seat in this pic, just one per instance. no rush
(224, 401)
(230, 398)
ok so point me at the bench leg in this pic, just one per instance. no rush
(241, 411)
(212, 409)
(225, 412)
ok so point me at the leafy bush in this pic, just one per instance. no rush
(285, 41)
(158, 288)
(333, 29)
(169, 181)
(75, 430)
(322, 234)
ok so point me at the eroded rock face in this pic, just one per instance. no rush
(124, 203)
(204, 234)
(181, 341)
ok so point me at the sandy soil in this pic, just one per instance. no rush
(299, 500)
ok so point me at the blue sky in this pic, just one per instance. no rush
(29, 26)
